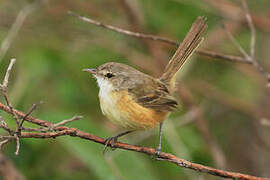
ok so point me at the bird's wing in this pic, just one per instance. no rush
(152, 93)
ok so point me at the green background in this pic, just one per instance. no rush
(52, 48)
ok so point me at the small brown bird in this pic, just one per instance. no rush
(137, 101)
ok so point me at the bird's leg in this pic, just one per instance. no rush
(158, 149)
(112, 140)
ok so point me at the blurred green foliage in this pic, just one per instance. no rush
(51, 50)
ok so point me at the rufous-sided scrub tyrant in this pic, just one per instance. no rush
(137, 101)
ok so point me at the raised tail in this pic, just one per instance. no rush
(191, 41)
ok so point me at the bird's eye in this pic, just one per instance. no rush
(109, 75)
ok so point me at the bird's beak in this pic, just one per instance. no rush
(91, 71)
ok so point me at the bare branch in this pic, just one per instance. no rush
(17, 145)
(34, 106)
(4, 142)
(5, 126)
(75, 118)
(146, 150)
(53, 126)
(34, 129)
(236, 44)
(4, 88)
(16, 26)
(123, 31)
(246, 59)
(63, 130)
(208, 53)
(5, 82)
(252, 29)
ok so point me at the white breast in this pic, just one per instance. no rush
(108, 103)
(105, 88)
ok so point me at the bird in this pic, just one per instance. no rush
(137, 101)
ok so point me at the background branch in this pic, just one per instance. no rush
(208, 53)
(16, 26)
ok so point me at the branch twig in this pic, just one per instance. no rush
(5, 82)
(237, 45)
(4, 85)
(75, 118)
(16, 26)
(251, 27)
(208, 53)
(34, 106)
(5, 126)
(63, 130)
(17, 145)
(248, 58)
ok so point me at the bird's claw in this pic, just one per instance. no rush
(110, 142)
(157, 154)
(158, 151)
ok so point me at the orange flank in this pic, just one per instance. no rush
(124, 111)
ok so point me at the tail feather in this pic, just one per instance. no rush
(191, 41)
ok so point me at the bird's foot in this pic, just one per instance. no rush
(157, 154)
(158, 151)
(110, 142)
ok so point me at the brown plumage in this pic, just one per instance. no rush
(184, 51)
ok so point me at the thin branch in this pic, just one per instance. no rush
(34, 106)
(251, 27)
(5, 81)
(146, 150)
(4, 88)
(16, 26)
(252, 43)
(63, 130)
(248, 57)
(236, 44)
(75, 118)
(208, 53)
(34, 129)
(5, 126)
(17, 145)
(123, 31)
(53, 127)
(2, 143)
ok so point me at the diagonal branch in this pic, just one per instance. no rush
(3, 88)
(208, 53)
(246, 59)
(16, 26)
(63, 130)
(34, 106)
(251, 27)
(237, 45)
(5, 82)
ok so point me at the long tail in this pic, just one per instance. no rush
(184, 51)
